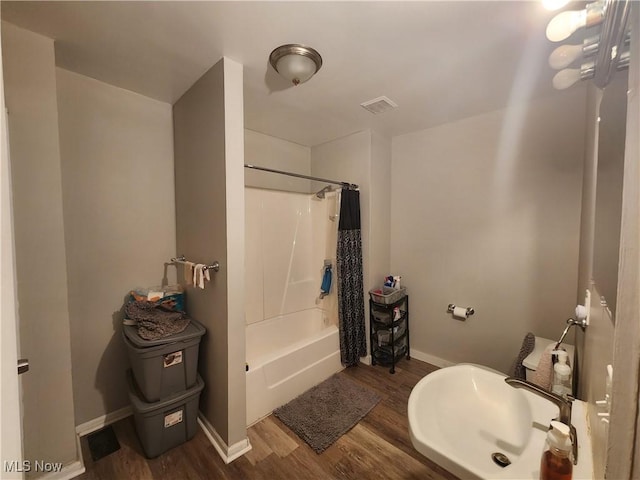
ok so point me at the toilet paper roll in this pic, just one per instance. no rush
(460, 312)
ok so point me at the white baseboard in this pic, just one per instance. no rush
(77, 468)
(100, 422)
(227, 453)
(432, 359)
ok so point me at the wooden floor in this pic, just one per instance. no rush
(377, 447)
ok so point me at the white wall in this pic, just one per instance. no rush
(486, 214)
(271, 152)
(43, 310)
(119, 211)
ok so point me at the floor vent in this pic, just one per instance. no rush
(102, 443)
(379, 105)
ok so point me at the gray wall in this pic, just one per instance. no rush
(380, 227)
(348, 159)
(9, 393)
(486, 214)
(118, 195)
(363, 158)
(30, 89)
(208, 142)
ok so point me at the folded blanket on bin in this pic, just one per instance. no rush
(155, 320)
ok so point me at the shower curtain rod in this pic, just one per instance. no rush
(350, 186)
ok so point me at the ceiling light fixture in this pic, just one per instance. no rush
(297, 63)
(567, 77)
(564, 24)
(565, 55)
(600, 55)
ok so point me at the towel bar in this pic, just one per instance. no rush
(215, 266)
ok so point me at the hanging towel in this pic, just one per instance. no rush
(195, 275)
(528, 344)
(199, 275)
(543, 375)
(188, 272)
(326, 282)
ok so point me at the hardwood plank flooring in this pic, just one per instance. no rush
(378, 447)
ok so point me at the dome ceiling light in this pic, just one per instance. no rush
(297, 63)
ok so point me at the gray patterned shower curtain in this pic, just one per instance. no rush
(353, 344)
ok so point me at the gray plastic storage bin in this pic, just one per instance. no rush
(164, 425)
(165, 366)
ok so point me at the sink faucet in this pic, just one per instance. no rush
(562, 402)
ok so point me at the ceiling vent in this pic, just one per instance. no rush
(379, 105)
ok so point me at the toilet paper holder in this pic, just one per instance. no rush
(469, 310)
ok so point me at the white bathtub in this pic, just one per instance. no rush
(287, 355)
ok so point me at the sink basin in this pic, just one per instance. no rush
(460, 416)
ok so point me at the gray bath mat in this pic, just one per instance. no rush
(327, 411)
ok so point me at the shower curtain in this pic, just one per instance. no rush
(350, 280)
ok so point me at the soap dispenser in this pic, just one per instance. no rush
(556, 463)
(561, 374)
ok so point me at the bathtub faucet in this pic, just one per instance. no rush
(562, 402)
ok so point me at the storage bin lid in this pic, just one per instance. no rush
(532, 360)
(193, 330)
(140, 406)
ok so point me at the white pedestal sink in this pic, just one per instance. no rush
(459, 416)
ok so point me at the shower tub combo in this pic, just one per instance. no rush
(286, 356)
(292, 340)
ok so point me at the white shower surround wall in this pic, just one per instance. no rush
(291, 337)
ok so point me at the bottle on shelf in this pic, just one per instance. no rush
(561, 374)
